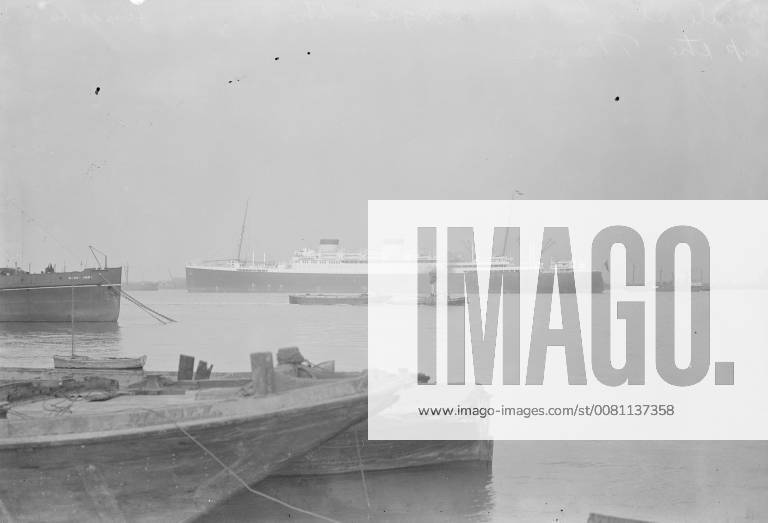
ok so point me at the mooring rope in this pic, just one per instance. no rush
(248, 487)
(362, 472)
(242, 481)
(162, 318)
(215, 458)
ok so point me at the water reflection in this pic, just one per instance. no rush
(34, 344)
(451, 492)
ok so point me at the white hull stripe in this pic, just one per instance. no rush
(62, 287)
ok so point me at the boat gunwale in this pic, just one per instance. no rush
(70, 438)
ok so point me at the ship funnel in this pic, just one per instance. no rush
(329, 246)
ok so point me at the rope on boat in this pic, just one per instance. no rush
(362, 471)
(245, 485)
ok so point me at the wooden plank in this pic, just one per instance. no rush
(186, 367)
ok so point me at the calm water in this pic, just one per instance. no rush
(222, 329)
(529, 481)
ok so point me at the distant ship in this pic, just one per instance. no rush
(326, 270)
(329, 269)
(90, 295)
(668, 285)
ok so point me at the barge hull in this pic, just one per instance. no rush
(163, 474)
(93, 297)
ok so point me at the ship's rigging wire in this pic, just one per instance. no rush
(242, 232)
(27, 218)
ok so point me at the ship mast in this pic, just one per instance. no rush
(72, 318)
(242, 232)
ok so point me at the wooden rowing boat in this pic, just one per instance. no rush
(87, 362)
(167, 457)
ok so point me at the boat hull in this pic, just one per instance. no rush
(163, 474)
(449, 492)
(340, 455)
(50, 297)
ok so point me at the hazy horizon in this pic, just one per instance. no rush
(368, 100)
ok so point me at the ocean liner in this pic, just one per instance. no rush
(90, 295)
(329, 269)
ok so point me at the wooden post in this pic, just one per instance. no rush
(203, 371)
(262, 373)
(186, 367)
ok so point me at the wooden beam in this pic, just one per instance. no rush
(186, 367)
(262, 373)
(203, 371)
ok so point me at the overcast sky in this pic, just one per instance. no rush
(368, 100)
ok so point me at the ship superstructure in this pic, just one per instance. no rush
(330, 269)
